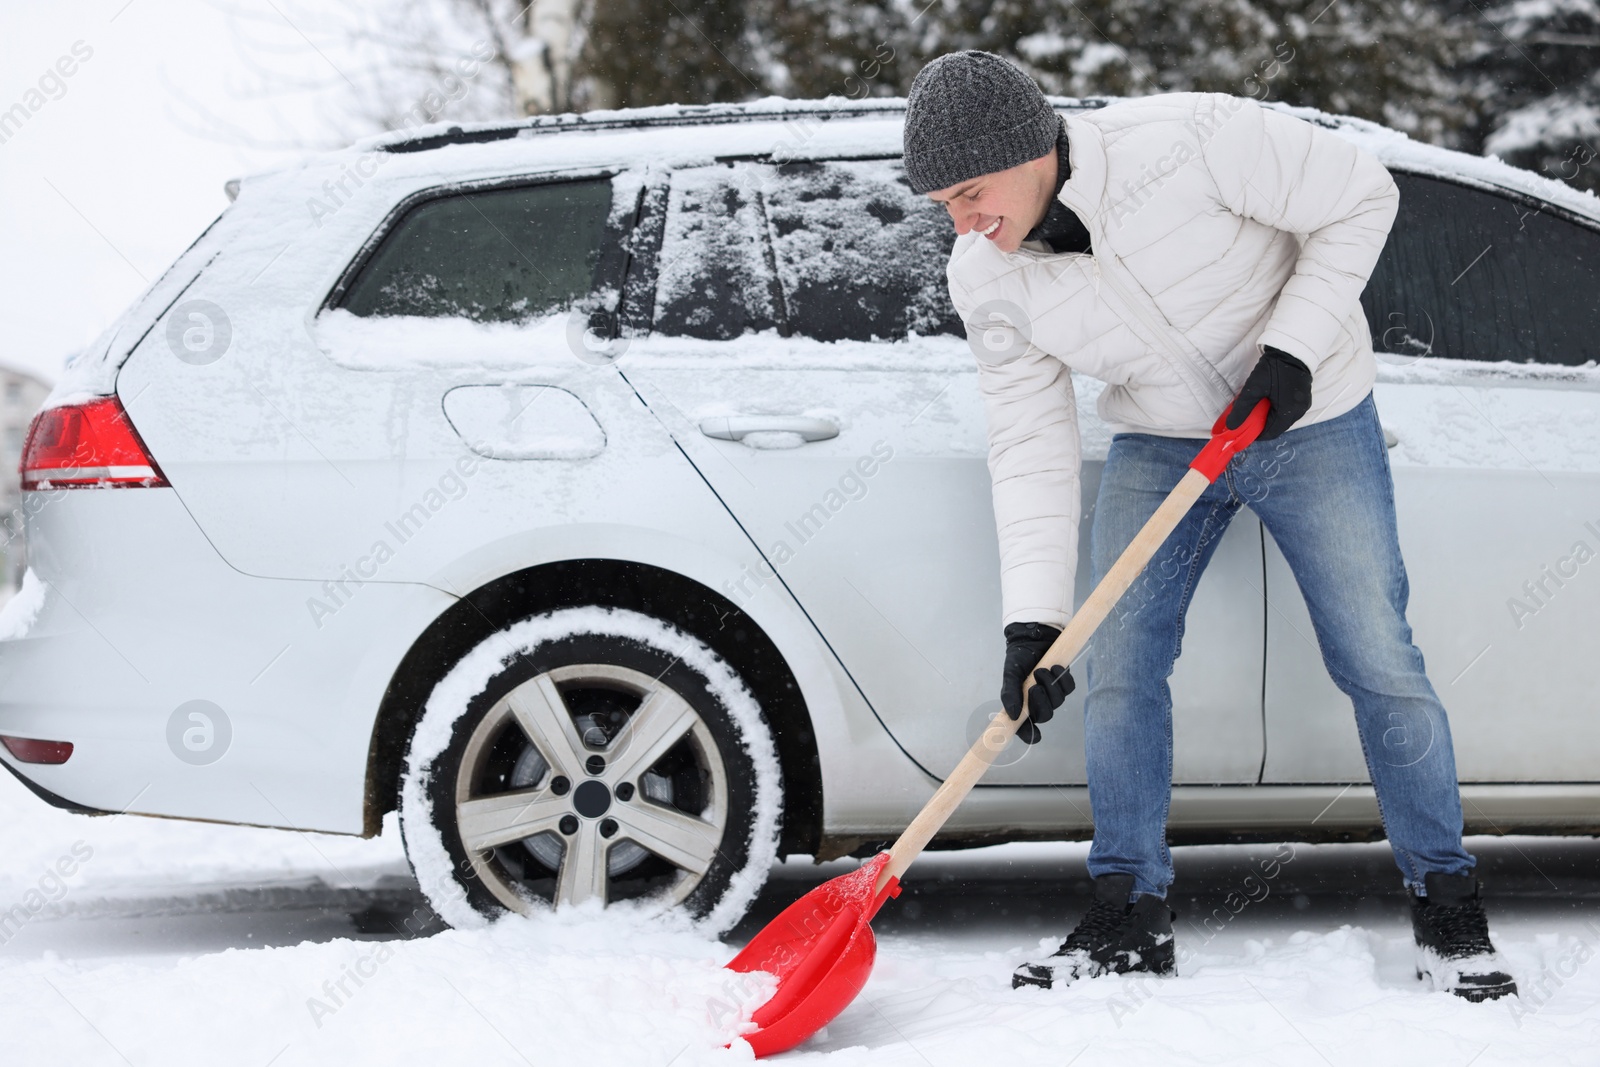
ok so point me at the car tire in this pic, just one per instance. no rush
(591, 754)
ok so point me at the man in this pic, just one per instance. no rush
(1190, 249)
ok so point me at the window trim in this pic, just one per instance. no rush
(636, 304)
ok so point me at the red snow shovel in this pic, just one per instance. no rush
(821, 948)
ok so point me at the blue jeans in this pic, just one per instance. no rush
(1325, 494)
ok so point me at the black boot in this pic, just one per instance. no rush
(1113, 937)
(1453, 946)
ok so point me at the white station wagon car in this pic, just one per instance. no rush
(608, 493)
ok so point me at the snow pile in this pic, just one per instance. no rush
(109, 953)
(550, 990)
(1260, 980)
(1433, 370)
(1491, 416)
(1345, 996)
(1254, 984)
(380, 342)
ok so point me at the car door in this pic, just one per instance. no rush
(804, 354)
(1483, 308)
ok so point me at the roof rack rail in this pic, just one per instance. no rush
(770, 109)
(641, 118)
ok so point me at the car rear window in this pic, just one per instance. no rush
(1471, 274)
(493, 255)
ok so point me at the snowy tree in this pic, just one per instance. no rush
(701, 51)
(1389, 62)
(1536, 73)
(399, 64)
(686, 51)
(1521, 80)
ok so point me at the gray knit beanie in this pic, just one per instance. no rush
(972, 113)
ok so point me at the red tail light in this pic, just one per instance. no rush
(28, 750)
(86, 446)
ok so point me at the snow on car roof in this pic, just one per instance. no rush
(1399, 152)
(745, 125)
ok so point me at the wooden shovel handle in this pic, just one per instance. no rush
(1203, 471)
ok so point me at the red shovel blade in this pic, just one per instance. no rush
(820, 948)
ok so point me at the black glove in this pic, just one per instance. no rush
(1283, 380)
(1026, 644)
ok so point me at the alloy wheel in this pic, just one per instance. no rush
(591, 781)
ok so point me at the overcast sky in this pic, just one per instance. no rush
(108, 180)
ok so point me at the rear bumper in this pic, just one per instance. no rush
(141, 617)
(52, 799)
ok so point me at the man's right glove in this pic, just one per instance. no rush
(1026, 644)
(1283, 380)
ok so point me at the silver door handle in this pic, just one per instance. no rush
(734, 427)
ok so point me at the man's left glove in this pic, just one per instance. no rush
(1026, 644)
(1281, 379)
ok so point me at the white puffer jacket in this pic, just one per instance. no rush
(1218, 226)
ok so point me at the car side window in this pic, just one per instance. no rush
(492, 255)
(859, 255)
(1471, 274)
(715, 279)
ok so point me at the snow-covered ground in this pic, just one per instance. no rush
(138, 941)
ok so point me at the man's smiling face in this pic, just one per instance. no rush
(1005, 205)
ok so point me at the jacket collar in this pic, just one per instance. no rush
(1086, 186)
